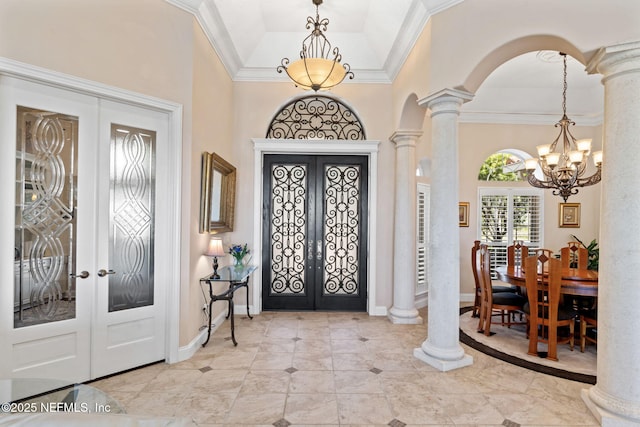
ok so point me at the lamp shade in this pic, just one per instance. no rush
(597, 158)
(215, 247)
(530, 164)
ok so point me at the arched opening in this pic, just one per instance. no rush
(504, 165)
(315, 177)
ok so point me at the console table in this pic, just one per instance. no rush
(237, 277)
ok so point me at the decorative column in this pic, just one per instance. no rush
(615, 399)
(442, 349)
(404, 249)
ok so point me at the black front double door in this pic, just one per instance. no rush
(314, 232)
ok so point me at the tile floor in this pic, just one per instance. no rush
(317, 368)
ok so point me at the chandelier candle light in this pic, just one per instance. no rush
(563, 171)
(315, 70)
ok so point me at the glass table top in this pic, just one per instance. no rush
(232, 273)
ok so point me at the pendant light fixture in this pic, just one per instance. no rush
(319, 66)
(563, 171)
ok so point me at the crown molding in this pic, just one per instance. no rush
(214, 29)
(526, 118)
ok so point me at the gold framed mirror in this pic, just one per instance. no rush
(217, 194)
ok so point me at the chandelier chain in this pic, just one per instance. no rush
(564, 87)
(562, 172)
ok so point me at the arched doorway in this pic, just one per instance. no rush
(314, 174)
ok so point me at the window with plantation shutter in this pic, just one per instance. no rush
(507, 215)
(422, 239)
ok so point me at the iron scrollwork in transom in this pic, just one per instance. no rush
(316, 117)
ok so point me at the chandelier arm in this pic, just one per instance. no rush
(593, 179)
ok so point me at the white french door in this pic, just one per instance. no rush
(79, 300)
(129, 306)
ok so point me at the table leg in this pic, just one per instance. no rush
(209, 330)
(246, 285)
(233, 335)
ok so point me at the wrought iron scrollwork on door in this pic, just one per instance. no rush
(341, 232)
(288, 225)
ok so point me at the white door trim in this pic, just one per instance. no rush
(173, 165)
(367, 148)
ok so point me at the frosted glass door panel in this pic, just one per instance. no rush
(132, 201)
(45, 221)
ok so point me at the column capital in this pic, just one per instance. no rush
(445, 100)
(405, 137)
(614, 60)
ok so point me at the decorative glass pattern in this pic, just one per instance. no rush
(316, 117)
(341, 235)
(131, 227)
(45, 223)
(288, 228)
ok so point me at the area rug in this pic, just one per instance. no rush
(511, 345)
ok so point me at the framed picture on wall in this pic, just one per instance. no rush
(463, 214)
(569, 215)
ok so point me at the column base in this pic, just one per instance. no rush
(442, 364)
(605, 417)
(404, 317)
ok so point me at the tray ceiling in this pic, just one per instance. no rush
(375, 36)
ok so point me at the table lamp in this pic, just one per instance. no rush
(215, 250)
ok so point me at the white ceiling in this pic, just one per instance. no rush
(375, 36)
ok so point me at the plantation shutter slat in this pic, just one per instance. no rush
(422, 239)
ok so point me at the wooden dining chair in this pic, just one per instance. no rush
(588, 322)
(516, 253)
(544, 280)
(475, 267)
(503, 304)
(574, 255)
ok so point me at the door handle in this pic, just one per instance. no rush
(83, 275)
(319, 250)
(104, 272)
(310, 250)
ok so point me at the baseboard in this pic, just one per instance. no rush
(187, 351)
(422, 300)
(467, 297)
(378, 310)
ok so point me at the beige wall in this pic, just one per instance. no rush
(471, 31)
(140, 45)
(211, 121)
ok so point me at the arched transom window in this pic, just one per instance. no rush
(316, 117)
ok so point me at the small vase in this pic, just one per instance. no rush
(238, 263)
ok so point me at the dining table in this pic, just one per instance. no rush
(575, 281)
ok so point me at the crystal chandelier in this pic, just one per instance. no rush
(563, 171)
(315, 70)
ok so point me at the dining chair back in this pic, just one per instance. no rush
(516, 253)
(504, 304)
(574, 255)
(475, 267)
(543, 277)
